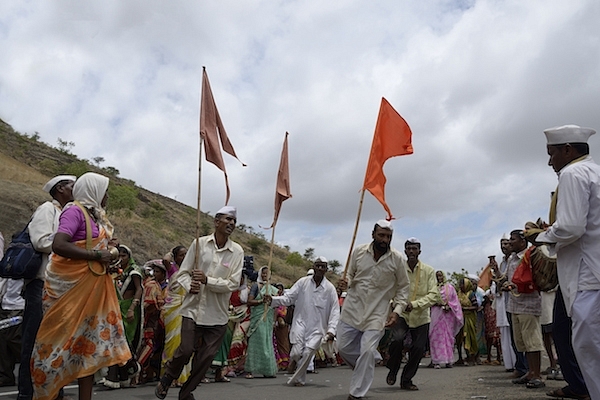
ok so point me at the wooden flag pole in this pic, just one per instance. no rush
(360, 204)
(267, 291)
(197, 253)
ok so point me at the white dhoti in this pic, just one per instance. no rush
(508, 354)
(359, 350)
(586, 338)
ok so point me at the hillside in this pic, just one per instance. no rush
(149, 223)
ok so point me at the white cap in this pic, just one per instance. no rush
(568, 134)
(52, 182)
(228, 210)
(310, 272)
(473, 277)
(321, 259)
(383, 223)
(413, 240)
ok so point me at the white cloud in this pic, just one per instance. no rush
(477, 81)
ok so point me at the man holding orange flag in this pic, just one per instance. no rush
(377, 273)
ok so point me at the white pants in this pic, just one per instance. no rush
(586, 338)
(508, 354)
(304, 357)
(359, 350)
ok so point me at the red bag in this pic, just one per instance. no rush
(523, 277)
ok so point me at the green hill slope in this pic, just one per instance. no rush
(150, 224)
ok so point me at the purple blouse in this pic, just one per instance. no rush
(72, 222)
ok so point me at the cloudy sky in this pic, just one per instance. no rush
(477, 81)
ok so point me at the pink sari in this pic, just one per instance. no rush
(446, 321)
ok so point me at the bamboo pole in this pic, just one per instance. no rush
(360, 204)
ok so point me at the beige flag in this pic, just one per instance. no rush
(213, 131)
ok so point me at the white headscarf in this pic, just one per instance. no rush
(89, 190)
(260, 279)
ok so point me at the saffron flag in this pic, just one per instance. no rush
(213, 131)
(282, 191)
(392, 138)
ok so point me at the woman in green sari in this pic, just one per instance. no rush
(261, 354)
(129, 292)
(468, 302)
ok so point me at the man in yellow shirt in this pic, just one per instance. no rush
(415, 319)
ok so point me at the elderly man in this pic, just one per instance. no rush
(42, 228)
(376, 275)
(415, 319)
(575, 231)
(209, 273)
(316, 316)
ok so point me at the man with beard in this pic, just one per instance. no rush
(415, 319)
(316, 315)
(209, 273)
(376, 275)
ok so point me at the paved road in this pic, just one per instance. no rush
(479, 382)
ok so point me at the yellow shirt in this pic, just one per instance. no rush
(423, 293)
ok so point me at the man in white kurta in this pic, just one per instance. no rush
(42, 228)
(316, 315)
(575, 231)
(376, 275)
(499, 272)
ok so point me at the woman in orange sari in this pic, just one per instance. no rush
(82, 330)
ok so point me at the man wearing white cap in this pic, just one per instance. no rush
(376, 275)
(42, 228)
(209, 273)
(316, 316)
(575, 233)
(415, 319)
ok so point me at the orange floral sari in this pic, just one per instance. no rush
(82, 330)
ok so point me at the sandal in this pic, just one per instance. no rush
(391, 378)
(522, 380)
(566, 393)
(249, 376)
(162, 388)
(205, 380)
(410, 386)
(535, 384)
(223, 379)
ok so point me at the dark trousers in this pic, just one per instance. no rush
(419, 337)
(32, 318)
(521, 364)
(562, 335)
(10, 348)
(201, 341)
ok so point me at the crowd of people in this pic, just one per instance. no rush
(96, 316)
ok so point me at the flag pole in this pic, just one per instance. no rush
(267, 291)
(197, 253)
(360, 204)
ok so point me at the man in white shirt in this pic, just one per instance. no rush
(316, 315)
(575, 231)
(376, 275)
(209, 273)
(42, 228)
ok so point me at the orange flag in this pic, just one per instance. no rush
(213, 131)
(392, 138)
(282, 191)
